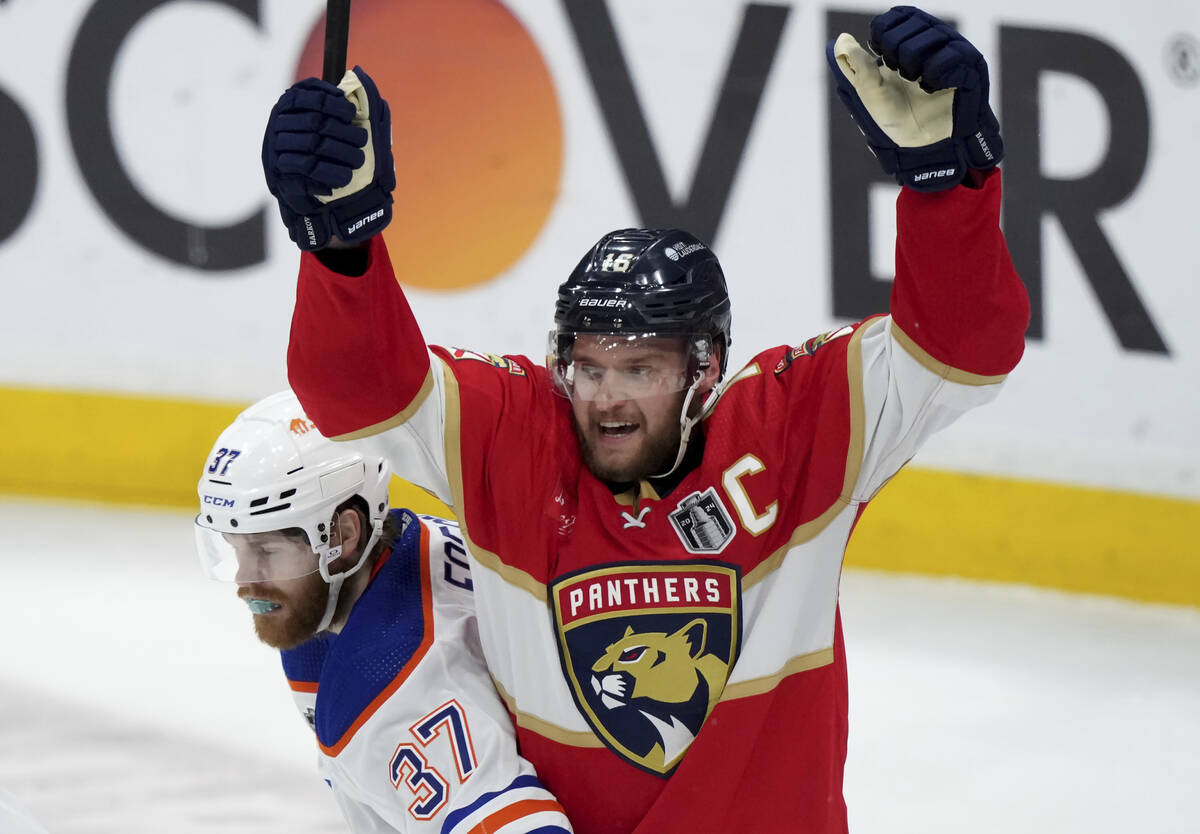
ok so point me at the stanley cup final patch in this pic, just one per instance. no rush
(647, 648)
(702, 522)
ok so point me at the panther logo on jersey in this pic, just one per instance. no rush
(667, 678)
(647, 649)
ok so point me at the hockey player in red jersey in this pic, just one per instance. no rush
(373, 613)
(656, 541)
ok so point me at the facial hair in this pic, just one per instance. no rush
(303, 603)
(656, 458)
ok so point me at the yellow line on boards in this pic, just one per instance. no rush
(1011, 530)
(150, 450)
(106, 447)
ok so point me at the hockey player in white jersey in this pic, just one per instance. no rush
(373, 614)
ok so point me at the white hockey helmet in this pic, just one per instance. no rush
(271, 470)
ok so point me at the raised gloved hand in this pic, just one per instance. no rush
(922, 103)
(327, 157)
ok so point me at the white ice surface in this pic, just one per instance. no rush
(134, 698)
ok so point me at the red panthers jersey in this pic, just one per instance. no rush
(674, 663)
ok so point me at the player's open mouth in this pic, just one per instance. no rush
(262, 606)
(617, 429)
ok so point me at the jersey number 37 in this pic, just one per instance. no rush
(410, 767)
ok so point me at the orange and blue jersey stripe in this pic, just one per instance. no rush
(524, 806)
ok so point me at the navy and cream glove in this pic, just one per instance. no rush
(327, 157)
(920, 97)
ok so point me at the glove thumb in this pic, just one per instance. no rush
(889, 110)
(860, 67)
(354, 91)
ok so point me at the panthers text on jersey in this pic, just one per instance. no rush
(674, 662)
(413, 737)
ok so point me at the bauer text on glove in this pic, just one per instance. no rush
(327, 159)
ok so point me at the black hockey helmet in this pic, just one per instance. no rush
(660, 282)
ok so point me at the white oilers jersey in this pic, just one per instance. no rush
(412, 734)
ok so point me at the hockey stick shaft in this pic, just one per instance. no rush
(337, 35)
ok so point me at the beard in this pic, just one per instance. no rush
(655, 457)
(302, 604)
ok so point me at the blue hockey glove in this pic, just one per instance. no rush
(327, 157)
(922, 103)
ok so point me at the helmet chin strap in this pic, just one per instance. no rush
(686, 423)
(335, 581)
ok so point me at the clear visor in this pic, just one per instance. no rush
(625, 366)
(246, 558)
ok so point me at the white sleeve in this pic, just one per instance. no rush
(907, 396)
(415, 446)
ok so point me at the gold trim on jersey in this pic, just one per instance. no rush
(941, 369)
(630, 497)
(854, 456)
(751, 370)
(453, 442)
(401, 418)
(804, 533)
(758, 686)
(545, 729)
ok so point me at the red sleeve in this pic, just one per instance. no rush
(356, 356)
(956, 293)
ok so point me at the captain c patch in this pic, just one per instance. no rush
(646, 649)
